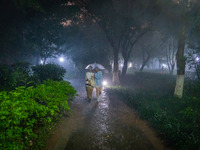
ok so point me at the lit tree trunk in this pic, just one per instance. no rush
(116, 68)
(172, 68)
(171, 65)
(127, 48)
(180, 63)
(171, 54)
(38, 60)
(145, 60)
(125, 66)
(44, 62)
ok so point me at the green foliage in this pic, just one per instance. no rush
(192, 88)
(26, 114)
(194, 47)
(192, 61)
(5, 76)
(33, 27)
(176, 120)
(20, 74)
(48, 71)
(12, 76)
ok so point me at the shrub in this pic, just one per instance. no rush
(21, 72)
(48, 71)
(192, 87)
(26, 114)
(5, 77)
(193, 60)
(12, 76)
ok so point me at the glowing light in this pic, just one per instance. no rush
(197, 59)
(164, 65)
(105, 83)
(61, 59)
(41, 61)
(130, 65)
(121, 65)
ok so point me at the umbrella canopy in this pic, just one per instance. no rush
(95, 65)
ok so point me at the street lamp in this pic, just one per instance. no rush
(130, 65)
(105, 83)
(61, 59)
(164, 65)
(197, 59)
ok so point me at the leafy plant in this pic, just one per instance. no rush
(21, 72)
(48, 71)
(12, 76)
(5, 77)
(26, 114)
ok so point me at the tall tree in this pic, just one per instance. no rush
(178, 12)
(193, 54)
(120, 27)
(128, 42)
(30, 25)
(137, 21)
(105, 15)
(171, 50)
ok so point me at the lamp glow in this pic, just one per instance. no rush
(164, 65)
(61, 59)
(130, 65)
(105, 83)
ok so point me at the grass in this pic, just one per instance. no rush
(175, 120)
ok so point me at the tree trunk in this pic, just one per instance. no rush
(172, 69)
(44, 61)
(142, 67)
(171, 66)
(145, 60)
(38, 60)
(125, 66)
(180, 63)
(116, 68)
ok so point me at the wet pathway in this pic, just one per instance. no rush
(105, 125)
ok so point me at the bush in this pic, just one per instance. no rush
(192, 87)
(193, 61)
(12, 76)
(5, 77)
(48, 71)
(20, 75)
(26, 114)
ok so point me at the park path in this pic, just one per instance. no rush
(105, 125)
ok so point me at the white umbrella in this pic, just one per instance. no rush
(95, 65)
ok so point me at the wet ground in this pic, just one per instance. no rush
(108, 124)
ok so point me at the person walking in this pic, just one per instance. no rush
(90, 83)
(98, 82)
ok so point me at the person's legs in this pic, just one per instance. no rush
(90, 89)
(97, 92)
(100, 90)
(88, 92)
